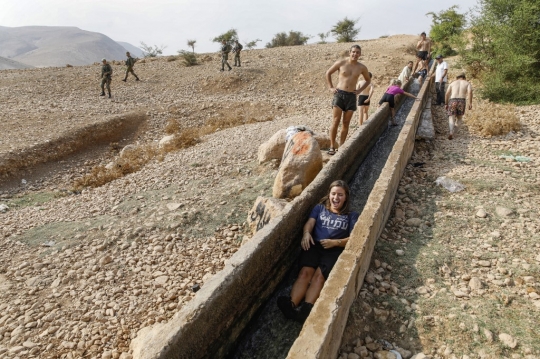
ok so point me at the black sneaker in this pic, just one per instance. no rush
(287, 307)
(303, 313)
(124, 80)
(102, 94)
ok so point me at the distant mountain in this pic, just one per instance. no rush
(133, 50)
(42, 46)
(8, 64)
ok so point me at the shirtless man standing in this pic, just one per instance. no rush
(455, 100)
(424, 48)
(344, 102)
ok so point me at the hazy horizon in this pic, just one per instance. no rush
(135, 21)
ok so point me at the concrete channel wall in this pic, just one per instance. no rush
(321, 334)
(209, 325)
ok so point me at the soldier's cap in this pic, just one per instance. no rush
(461, 75)
(439, 56)
(103, 60)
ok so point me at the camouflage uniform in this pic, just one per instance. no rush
(237, 48)
(129, 63)
(225, 49)
(106, 77)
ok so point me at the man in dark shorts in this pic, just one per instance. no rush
(455, 99)
(423, 48)
(344, 101)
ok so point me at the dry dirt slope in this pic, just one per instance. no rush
(81, 274)
(128, 254)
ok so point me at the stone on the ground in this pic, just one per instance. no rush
(508, 340)
(413, 222)
(301, 163)
(166, 141)
(481, 213)
(128, 151)
(275, 146)
(503, 211)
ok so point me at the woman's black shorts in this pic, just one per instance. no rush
(318, 257)
(387, 98)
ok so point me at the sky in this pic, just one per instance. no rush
(172, 22)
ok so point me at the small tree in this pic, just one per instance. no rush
(191, 43)
(345, 30)
(292, 39)
(446, 30)
(323, 36)
(252, 44)
(229, 37)
(189, 58)
(149, 51)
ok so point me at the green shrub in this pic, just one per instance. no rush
(188, 58)
(345, 30)
(292, 39)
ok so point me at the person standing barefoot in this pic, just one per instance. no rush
(364, 101)
(344, 102)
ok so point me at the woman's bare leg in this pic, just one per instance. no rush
(300, 286)
(314, 290)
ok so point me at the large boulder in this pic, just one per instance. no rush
(275, 146)
(263, 210)
(301, 162)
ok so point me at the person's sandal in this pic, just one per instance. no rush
(331, 151)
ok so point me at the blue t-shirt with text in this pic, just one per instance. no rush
(329, 225)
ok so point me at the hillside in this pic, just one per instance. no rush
(43, 46)
(8, 64)
(82, 270)
(134, 50)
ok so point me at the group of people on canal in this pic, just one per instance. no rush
(330, 223)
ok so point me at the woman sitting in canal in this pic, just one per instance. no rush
(325, 235)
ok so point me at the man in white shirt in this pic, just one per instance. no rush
(440, 79)
(406, 73)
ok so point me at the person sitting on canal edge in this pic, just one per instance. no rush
(106, 77)
(236, 49)
(225, 49)
(130, 62)
(325, 235)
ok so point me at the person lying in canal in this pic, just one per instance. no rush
(325, 235)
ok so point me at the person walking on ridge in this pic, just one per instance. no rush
(440, 79)
(456, 97)
(106, 77)
(225, 49)
(236, 49)
(344, 102)
(130, 62)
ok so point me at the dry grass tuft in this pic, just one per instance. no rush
(133, 160)
(490, 119)
(172, 126)
(130, 162)
(172, 58)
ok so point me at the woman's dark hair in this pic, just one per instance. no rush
(326, 199)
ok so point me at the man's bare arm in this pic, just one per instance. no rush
(335, 67)
(367, 81)
(447, 95)
(419, 45)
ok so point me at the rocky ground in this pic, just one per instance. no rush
(82, 272)
(457, 275)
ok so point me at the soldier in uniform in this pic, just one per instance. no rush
(130, 62)
(106, 77)
(225, 49)
(236, 49)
